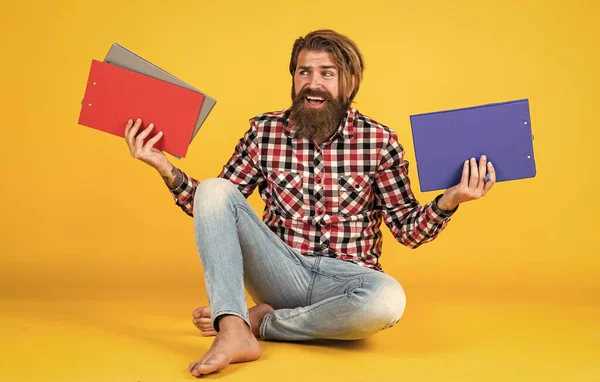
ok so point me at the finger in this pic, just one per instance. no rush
(152, 141)
(482, 171)
(474, 174)
(492, 180)
(134, 129)
(132, 132)
(127, 127)
(139, 140)
(464, 180)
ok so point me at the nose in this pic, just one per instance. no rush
(314, 82)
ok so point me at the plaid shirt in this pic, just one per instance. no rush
(329, 199)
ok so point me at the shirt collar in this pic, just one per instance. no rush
(345, 130)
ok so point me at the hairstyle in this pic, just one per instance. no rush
(345, 55)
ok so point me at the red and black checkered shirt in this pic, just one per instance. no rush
(329, 199)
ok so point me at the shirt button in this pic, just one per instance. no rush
(324, 245)
(318, 180)
(320, 211)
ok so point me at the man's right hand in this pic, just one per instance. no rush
(146, 152)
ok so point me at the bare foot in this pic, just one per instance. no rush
(201, 318)
(234, 343)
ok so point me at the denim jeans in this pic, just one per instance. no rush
(314, 297)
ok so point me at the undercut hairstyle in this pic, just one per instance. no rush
(346, 56)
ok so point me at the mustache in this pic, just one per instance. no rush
(314, 93)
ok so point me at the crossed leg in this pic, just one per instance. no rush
(237, 249)
(298, 297)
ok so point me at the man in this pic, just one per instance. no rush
(328, 176)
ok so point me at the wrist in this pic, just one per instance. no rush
(165, 170)
(445, 204)
(171, 175)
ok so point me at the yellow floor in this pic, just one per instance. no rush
(458, 337)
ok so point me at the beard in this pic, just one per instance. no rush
(317, 124)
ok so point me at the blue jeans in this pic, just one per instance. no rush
(313, 296)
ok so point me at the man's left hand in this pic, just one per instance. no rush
(470, 187)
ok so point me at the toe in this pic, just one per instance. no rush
(205, 326)
(197, 313)
(202, 321)
(201, 312)
(192, 367)
(208, 366)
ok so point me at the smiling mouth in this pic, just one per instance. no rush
(315, 101)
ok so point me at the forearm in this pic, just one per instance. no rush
(172, 177)
(419, 224)
(182, 187)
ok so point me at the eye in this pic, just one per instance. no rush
(328, 74)
(303, 72)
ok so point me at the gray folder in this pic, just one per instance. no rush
(122, 57)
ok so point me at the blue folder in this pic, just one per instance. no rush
(444, 140)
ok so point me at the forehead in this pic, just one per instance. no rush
(313, 58)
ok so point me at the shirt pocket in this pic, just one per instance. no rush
(355, 193)
(286, 193)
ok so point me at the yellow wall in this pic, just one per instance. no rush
(77, 211)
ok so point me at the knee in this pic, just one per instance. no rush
(387, 305)
(213, 195)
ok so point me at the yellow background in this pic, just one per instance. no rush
(81, 220)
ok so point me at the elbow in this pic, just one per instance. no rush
(414, 243)
(408, 242)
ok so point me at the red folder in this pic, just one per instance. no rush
(114, 95)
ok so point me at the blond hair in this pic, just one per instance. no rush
(345, 55)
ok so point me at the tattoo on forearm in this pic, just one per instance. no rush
(177, 178)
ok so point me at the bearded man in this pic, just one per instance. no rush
(329, 176)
